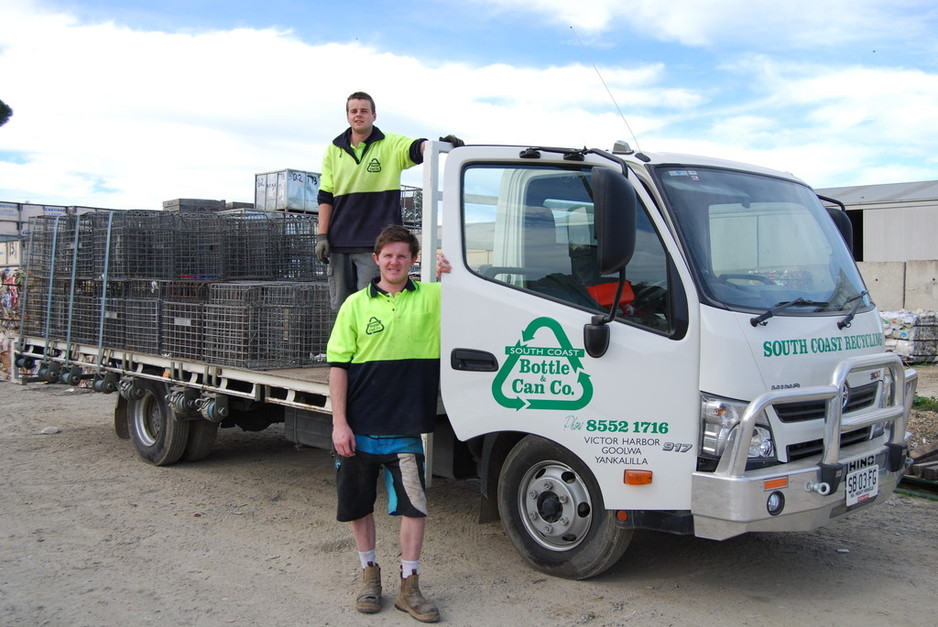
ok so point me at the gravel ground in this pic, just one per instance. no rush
(91, 535)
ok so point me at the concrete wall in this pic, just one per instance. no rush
(898, 285)
(921, 285)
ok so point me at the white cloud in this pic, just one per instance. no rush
(767, 23)
(109, 116)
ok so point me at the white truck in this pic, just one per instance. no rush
(629, 341)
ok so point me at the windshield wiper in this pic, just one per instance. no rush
(845, 323)
(761, 318)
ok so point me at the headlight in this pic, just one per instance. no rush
(720, 418)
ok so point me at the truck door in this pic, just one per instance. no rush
(520, 235)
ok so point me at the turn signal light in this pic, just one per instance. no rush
(637, 477)
(775, 484)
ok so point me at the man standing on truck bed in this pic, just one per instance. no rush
(384, 354)
(360, 194)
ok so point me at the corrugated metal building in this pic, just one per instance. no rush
(891, 222)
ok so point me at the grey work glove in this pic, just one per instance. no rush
(323, 251)
(452, 139)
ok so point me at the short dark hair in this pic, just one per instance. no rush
(397, 233)
(360, 95)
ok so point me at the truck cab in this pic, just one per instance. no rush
(658, 341)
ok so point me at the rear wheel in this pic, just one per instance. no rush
(201, 440)
(553, 512)
(158, 437)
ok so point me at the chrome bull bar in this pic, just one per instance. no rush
(733, 462)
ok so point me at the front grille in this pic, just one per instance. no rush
(858, 398)
(816, 447)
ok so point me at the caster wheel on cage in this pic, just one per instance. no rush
(109, 386)
(53, 373)
(72, 377)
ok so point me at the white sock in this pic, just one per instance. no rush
(367, 558)
(409, 568)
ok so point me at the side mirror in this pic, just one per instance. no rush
(614, 207)
(596, 337)
(843, 224)
(841, 220)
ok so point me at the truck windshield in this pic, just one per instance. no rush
(756, 242)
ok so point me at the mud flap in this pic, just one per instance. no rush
(120, 418)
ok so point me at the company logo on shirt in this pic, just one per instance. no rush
(374, 165)
(374, 326)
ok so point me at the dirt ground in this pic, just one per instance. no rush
(91, 535)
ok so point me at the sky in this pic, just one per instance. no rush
(127, 103)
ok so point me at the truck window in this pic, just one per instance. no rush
(757, 241)
(531, 228)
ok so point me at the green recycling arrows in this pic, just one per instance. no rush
(543, 377)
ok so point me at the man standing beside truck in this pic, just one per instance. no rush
(384, 354)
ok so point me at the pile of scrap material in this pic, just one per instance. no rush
(913, 335)
(925, 463)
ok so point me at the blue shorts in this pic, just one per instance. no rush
(402, 463)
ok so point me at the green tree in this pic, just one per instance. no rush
(5, 112)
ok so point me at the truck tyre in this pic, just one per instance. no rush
(553, 512)
(158, 437)
(201, 440)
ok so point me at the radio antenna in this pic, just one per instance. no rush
(608, 91)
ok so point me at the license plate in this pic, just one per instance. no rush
(862, 485)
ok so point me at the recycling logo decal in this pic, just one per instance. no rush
(548, 374)
(374, 326)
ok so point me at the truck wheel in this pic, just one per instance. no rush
(553, 512)
(201, 440)
(158, 437)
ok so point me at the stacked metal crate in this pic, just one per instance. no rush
(48, 260)
(158, 282)
(182, 319)
(142, 308)
(265, 325)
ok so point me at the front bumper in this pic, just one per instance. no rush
(731, 501)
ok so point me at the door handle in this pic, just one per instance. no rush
(473, 360)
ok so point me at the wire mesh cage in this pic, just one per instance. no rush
(252, 248)
(142, 324)
(182, 330)
(296, 235)
(198, 246)
(50, 245)
(241, 289)
(266, 325)
(98, 320)
(131, 244)
(44, 307)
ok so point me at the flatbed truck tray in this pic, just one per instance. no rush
(303, 388)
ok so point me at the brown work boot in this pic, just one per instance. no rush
(369, 596)
(410, 600)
